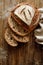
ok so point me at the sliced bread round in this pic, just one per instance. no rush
(16, 37)
(9, 38)
(16, 27)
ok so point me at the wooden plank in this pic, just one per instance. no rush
(24, 54)
(41, 3)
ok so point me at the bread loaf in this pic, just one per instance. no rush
(26, 15)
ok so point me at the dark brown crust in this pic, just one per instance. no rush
(19, 21)
(34, 20)
(18, 33)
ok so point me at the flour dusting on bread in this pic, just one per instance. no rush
(25, 13)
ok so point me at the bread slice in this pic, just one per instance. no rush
(9, 39)
(16, 27)
(26, 15)
(21, 39)
(16, 37)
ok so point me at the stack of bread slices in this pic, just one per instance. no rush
(22, 21)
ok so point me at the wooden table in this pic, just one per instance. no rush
(25, 54)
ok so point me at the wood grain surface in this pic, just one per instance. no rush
(25, 54)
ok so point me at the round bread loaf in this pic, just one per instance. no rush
(26, 15)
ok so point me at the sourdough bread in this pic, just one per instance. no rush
(26, 15)
(9, 39)
(16, 27)
(12, 37)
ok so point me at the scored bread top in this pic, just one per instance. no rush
(26, 15)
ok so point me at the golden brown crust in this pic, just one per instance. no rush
(20, 22)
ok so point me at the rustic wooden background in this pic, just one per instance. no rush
(25, 54)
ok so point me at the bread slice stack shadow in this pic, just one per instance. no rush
(22, 20)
